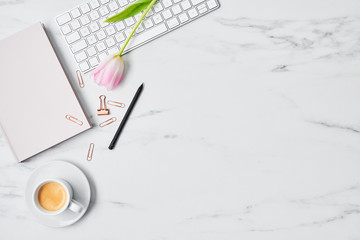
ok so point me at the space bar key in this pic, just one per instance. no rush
(144, 36)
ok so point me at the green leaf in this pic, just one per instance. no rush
(130, 11)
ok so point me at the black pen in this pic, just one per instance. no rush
(123, 122)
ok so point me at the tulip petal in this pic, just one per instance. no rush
(98, 72)
(103, 64)
(109, 73)
(118, 75)
(109, 86)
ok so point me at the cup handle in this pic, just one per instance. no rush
(75, 206)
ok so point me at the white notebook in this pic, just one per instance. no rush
(35, 95)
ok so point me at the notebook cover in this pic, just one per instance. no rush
(35, 95)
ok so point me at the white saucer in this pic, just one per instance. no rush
(74, 176)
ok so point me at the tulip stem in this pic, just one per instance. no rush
(136, 26)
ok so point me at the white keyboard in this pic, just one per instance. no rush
(90, 39)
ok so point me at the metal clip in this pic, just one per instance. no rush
(90, 152)
(103, 110)
(74, 120)
(116, 104)
(107, 122)
(80, 79)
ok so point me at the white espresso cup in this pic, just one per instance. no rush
(54, 196)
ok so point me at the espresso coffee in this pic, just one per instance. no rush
(52, 196)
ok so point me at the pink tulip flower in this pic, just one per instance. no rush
(109, 72)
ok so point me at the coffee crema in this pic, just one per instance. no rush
(52, 196)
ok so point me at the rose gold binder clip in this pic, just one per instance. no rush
(74, 120)
(103, 110)
(107, 122)
(90, 152)
(116, 104)
(80, 79)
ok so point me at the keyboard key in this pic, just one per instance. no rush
(196, 2)
(84, 31)
(63, 19)
(103, 11)
(123, 3)
(129, 21)
(94, 15)
(113, 6)
(104, 1)
(158, 7)
(110, 42)
(148, 23)
(93, 61)
(140, 28)
(75, 13)
(85, 8)
(102, 56)
(100, 46)
(176, 9)
(84, 66)
(120, 37)
(91, 40)
(72, 37)
(186, 5)
(128, 32)
(183, 17)
(211, 4)
(91, 51)
(80, 56)
(152, 32)
(113, 50)
(150, 13)
(94, 27)
(120, 26)
(84, 20)
(94, 4)
(167, 14)
(172, 23)
(176, 1)
(202, 8)
(66, 29)
(75, 24)
(101, 35)
(167, 3)
(137, 17)
(78, 46)
(193, 13)
(103, 23)
(157, 18)
(110, 30)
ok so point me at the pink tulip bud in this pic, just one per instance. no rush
(109, 72)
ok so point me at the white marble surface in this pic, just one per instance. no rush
(248, 128)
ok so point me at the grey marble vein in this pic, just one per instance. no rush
(122, 204)
(151, 113)
(340, 217)
(302, 35)
(10, 195)
(10, 2)
(336, 126)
